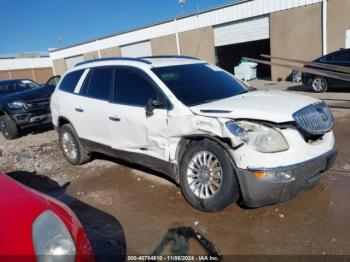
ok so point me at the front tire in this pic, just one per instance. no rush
(319, 84)
(207, 177)
(71, 146)
(8, 128)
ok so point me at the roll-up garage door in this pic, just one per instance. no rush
(243, 31)
(137, 50)
(72, 61)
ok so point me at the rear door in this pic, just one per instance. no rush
(92, 105)
(63, 101)
(129, 126)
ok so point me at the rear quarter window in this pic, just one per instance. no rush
(342, 57)
(327, 58)
(70, 81)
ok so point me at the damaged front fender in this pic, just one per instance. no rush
(194, 127)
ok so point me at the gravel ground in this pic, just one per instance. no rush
(40, 153)
(126, 209)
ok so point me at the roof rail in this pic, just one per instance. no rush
(170, 56)
(114, 59)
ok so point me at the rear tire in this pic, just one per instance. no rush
(8, 128)
(319, 84)
(71, 146)
(207, 177)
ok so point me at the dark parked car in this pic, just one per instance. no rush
(23, 103)
(320, 83)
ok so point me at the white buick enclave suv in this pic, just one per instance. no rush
(219, 140)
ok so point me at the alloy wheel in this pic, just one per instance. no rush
(69, 146)
(204, 174)
(318, 84)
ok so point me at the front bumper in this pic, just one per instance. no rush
(27, 119)
(258, 192)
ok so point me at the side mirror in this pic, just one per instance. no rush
(153, 104)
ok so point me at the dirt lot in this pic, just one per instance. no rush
(127, 210)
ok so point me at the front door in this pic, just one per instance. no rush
(130, 128)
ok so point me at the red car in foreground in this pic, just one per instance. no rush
(36, 227)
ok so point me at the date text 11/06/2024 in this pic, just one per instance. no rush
(172, 258)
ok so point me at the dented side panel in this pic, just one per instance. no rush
(135, 132)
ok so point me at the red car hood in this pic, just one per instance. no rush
(20, 206)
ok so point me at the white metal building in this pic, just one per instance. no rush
(219, 35)
(37, 68)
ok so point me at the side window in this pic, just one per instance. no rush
(341, 57)
(132, 87)
(70, 81)
(326, 58)
(98, 83)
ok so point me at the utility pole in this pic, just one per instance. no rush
(60, 40)
(324, 26)
(181, 3)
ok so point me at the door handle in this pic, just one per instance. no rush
(80, 110)
(114, 118)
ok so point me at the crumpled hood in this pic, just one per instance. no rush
(273, 106)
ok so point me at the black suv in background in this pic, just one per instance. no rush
(24, 103)
(320, 83)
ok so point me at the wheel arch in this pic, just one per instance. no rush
(224, 143)
(62, 121)
(185, 141)
(3, 113)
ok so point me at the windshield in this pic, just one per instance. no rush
(13, 86)
(196, 84)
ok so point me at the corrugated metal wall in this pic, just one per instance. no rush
(235, 12)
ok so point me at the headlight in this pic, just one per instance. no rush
(16, 105)
(275, 176)
(258, 137)
(51, 239)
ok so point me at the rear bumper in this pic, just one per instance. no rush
(258, 192)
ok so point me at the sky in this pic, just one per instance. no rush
(36, 25)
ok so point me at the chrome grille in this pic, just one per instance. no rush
(316, 119)
(42, 103)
